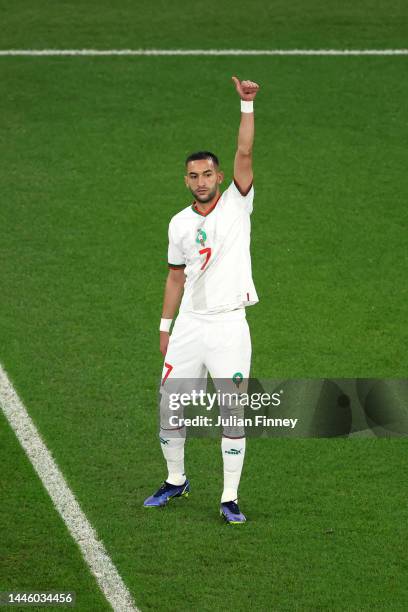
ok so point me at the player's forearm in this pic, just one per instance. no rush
(246, 134)
(172, 297)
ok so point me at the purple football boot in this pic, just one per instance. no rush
(231, 513)
(166, 492)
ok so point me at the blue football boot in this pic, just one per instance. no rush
(166, 492)
(231, 513)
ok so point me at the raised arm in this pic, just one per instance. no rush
(243, 174)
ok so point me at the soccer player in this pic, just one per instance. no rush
(210, 273)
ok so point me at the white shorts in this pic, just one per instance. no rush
(218, 343)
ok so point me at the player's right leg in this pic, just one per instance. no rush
(183, 370)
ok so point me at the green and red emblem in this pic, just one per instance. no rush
(201, 237)
(237, 378)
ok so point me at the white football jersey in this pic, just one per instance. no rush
(214, 250)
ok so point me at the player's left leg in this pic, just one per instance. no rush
(228, 359)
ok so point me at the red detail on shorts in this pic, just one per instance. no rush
(169, 369)
(247, 297)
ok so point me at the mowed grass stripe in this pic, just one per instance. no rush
(63, 499)
(268, 25)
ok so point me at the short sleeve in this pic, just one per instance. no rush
(244, 198)
(175, 257)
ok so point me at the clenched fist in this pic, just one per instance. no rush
(247, 90)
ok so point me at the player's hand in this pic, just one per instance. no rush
(164, 342)
(246, 90)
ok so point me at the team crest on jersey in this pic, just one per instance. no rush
(201, 237)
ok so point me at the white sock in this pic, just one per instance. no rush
(173, 451)
(233, 453)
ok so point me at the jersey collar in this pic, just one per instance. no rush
(204, 214)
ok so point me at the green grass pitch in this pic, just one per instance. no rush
(92, 154)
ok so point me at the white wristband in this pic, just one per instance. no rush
(247, 106)
(165, 325)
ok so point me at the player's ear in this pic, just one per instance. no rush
(186, 181)
(220, 177)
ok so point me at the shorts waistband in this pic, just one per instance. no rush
(230, 315)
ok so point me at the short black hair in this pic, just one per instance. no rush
(203, 155)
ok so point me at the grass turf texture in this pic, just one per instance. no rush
(37, 553)
(226, 24)
(92, 171)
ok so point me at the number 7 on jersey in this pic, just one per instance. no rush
(207, 253)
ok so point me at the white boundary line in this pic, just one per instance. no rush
(64, 500)
(200, 52)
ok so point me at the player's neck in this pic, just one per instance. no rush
(205, 207)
